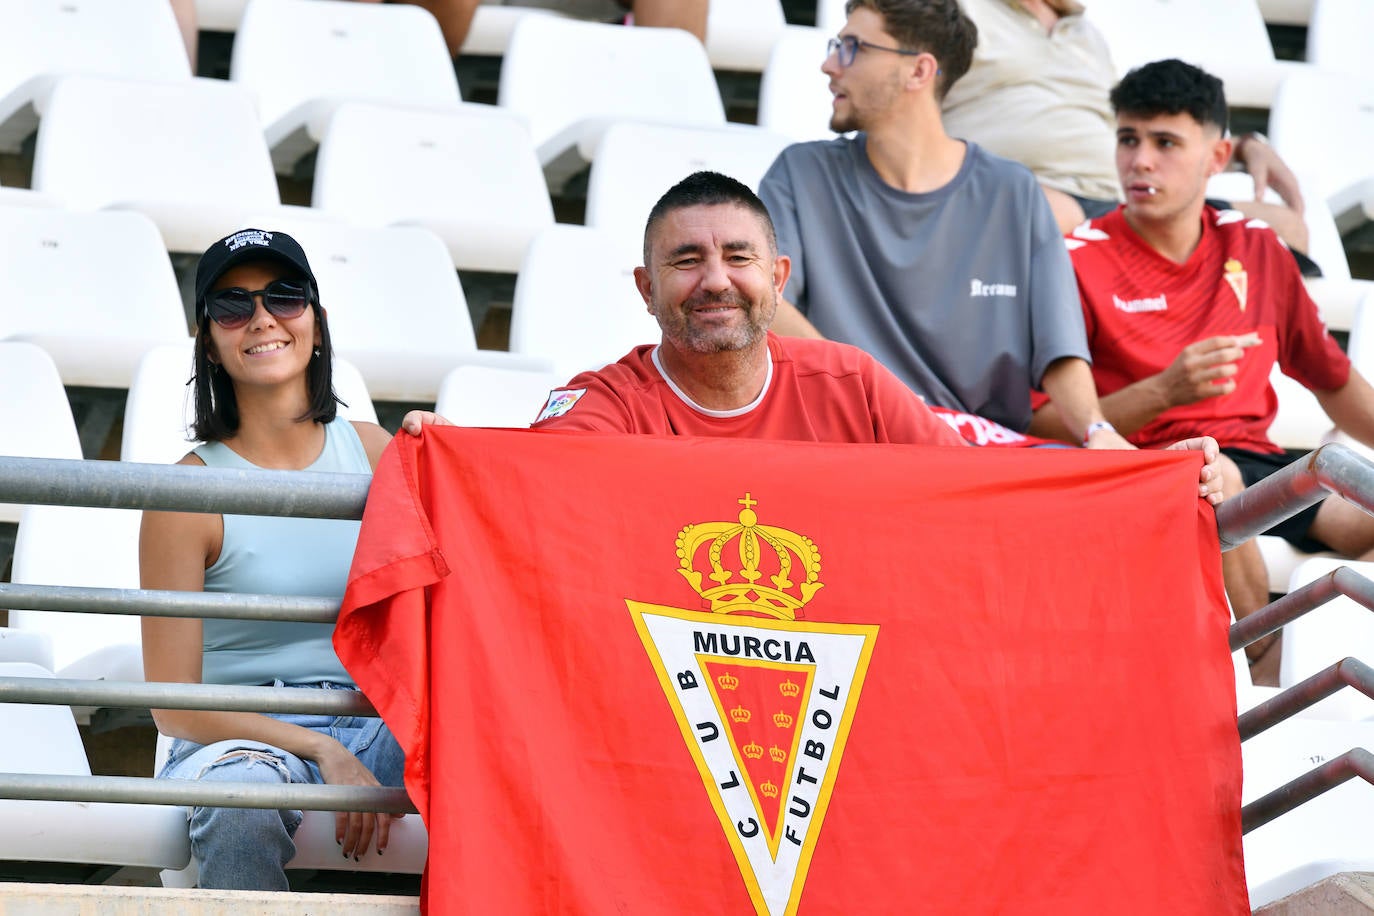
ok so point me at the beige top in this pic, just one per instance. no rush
(1040, 99)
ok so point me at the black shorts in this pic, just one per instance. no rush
(1254, 467)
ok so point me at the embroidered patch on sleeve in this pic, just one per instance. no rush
(560, 402)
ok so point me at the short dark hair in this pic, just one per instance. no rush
(936, 27)
(708, 189)
(216, 407)
(1170, 87)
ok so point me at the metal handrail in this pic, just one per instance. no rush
(156, 603)
(1348, 672)
(142, 790)
(1287, 608)
(46, 691)
(1355, 762)
(129, 485)
(1333, 468)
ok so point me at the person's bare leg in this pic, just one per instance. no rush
(1287, 223)
(455, 18)
(185, 12)
(1068, 212)
(1345, 527)
(673, 14)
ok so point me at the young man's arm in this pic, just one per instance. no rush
(1201, 370)
(1351, 407)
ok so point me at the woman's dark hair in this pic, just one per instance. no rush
(217, 409)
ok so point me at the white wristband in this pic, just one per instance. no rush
(1096, 427)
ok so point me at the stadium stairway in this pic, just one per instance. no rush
(82, 900)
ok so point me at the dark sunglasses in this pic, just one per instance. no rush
(231, 308)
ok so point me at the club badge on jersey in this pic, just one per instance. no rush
(560, 402)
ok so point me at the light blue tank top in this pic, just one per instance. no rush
(281, 556)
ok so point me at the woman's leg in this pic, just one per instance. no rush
(242, 848)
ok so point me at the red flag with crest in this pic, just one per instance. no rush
(648, 675)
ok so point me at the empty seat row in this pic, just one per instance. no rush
(96, 291)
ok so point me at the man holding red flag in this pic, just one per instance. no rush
(702, 671)
(713, 279)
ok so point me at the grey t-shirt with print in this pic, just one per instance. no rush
(966, 293)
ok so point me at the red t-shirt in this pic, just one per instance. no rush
(818, 391)
(1141, 310)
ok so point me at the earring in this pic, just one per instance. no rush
(317, 352)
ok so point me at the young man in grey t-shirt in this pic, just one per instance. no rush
(940, 259)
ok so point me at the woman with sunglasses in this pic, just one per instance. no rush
(263, 399)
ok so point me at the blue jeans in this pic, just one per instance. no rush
(248, 848)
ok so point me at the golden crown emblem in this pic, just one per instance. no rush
(788, 689)
(741, 715)
(753, 750)
(738, 588)
(727, 681)
(777, 753)
(782, 720)
(768, 789)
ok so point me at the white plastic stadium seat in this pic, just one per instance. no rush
(41, 40)
(95, 290)
(24, 197)
(301, 58)
(1224, 37)
(492, 397)
(740, 34)
(584, 324)
(79, 546)
(1327, 835)
(189, 155)
(794, 95)
(1322, 124)
(638, 162)
(1322, 637)
(35, 418)
(159, 412)
(1287, 12)
(150, 836)
(219, 15)
(492, 25)
(830, 16)
(1338, 36)
(396, 309)
(571, 79)
(406, 850)
(470, 175)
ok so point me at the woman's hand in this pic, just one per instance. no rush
(353, 830)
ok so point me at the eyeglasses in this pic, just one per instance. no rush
(847, 48)
(232, 308)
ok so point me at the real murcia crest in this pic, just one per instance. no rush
(764, 701)
(1236, 278)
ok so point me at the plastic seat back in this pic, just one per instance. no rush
(35, 418)
(576, 304)
(470, 175)
(96, 290)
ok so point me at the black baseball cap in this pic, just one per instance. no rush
(248, 245)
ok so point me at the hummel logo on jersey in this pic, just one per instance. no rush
(1155, 304)
(977, 288)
